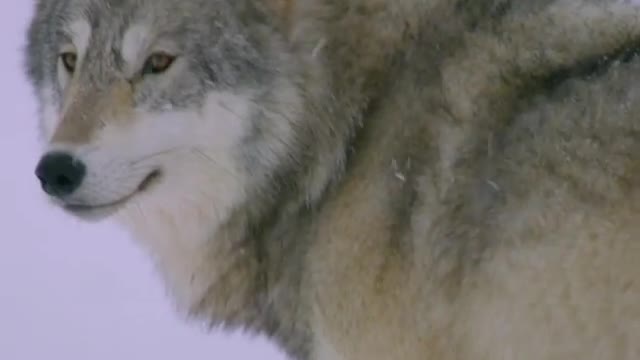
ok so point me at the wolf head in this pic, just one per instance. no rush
(171, 101)
(178, 118)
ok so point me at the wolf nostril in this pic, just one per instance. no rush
(59, 173)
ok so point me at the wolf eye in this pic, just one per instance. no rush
(69, 61)
(158, 63)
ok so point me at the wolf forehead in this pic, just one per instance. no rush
(210, 33)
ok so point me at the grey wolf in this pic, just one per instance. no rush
(361, 179)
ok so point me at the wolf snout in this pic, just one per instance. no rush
(60, 174)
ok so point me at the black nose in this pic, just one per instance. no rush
(59, 173)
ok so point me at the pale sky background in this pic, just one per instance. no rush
(70, 291)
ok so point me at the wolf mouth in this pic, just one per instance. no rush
(105, 209)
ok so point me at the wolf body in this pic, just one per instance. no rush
(361, 179)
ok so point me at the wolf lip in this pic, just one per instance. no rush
(144, 186)
(149, 180)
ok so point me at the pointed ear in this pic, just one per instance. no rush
(282, 10)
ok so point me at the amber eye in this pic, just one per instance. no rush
(158, 63)
(69, 61)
